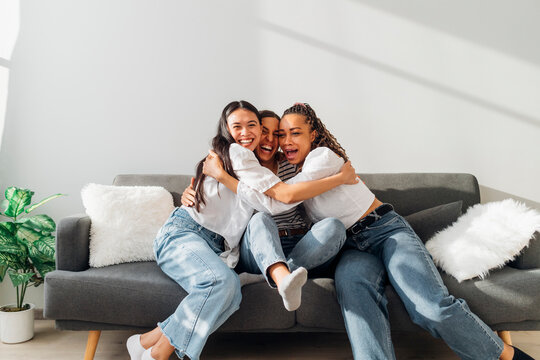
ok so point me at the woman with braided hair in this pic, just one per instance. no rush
(380, 247)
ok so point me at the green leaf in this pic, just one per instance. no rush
(46, 245)
(39, 223)
(28, 234)
(18, 199)
(41, 251)
(47, 199)
(11, 261)
(9, 243)
(13, 248)
(9, 227)
(18, 278)
(43, 269)
(3, 269)
(4, 204)
(6, 236)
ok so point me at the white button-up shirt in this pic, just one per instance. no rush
(345, 202)
(225, 213)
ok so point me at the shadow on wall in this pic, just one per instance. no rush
(450, 18)
(403, 74)
(488, 194)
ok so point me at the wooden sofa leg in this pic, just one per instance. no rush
(505, 336)
(91, 344)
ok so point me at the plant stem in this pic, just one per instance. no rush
(24, 286)
(17, 295)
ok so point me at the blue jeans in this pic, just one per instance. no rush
(189, 254)
(389, 249)
(262, 247)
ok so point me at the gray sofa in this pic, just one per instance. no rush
(138, 295)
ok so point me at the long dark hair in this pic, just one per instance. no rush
(323, 137)
(220, 144)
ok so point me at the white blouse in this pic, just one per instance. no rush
(224, 212)
(345, 202)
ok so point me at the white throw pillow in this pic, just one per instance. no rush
(486, 237)
(125, 221)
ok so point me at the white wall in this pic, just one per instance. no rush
(98, 88)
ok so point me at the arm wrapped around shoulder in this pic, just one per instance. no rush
(72, 243)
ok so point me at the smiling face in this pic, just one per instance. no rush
(245, 128)
(295, 138)
(268, 145)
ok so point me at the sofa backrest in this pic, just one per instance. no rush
(412, 192)
(408, 192)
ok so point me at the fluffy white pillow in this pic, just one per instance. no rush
(486, 237)
(125, 221)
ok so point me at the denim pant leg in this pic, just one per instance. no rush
(360, 281)
(213, 289)
(415, 278)
(318, 246)
(260, 246)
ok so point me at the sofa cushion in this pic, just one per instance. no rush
(140, 295)
(117, 294)
(320, 308)
(508, 295)
(427, 222)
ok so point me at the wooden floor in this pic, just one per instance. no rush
(49, 343)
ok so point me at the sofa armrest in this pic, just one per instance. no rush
(530, 256)
(72, 243)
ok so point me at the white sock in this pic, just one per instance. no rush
(134, 347)
(247, 278)
(290, 288)
(147, 354)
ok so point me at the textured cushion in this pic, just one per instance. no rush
(125, 221)
(427, 222)
(486, 237)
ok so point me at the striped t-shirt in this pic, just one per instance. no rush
(295, 217)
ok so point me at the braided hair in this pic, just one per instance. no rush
(323, 137)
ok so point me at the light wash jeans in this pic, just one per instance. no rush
(189, 254)
(389, 249)
(262, 247)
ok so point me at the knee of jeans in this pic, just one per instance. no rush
(260, 217)
(228, 285)
(335, 229)
(430, 314)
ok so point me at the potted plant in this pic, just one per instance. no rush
(26, 255)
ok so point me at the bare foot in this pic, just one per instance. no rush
(148, 339)
(162, 350)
